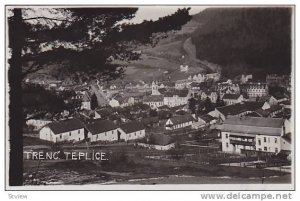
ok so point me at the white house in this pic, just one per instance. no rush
(178, 122)
(131, 131)
(68, 130)
(176, 97)
(102, 130)
(252, 134)
(154, 101)
(255, 89)
(230, 99)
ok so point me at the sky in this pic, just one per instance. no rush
(155, 12)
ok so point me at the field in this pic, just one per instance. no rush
(128, 164)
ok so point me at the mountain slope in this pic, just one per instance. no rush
(241, 40)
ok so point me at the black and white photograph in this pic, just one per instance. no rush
(187, 97)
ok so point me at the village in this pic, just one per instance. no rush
(200, 119)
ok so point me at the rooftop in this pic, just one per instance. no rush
(182, 119)
(65, 126)
(231, 96)
(100, 126)
(132, 126)
(254, 125)
(153, 98)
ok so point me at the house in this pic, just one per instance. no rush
(131, 131)
(228, 87)
(213, 76)
(67, 130)
(213, 96)
(150, 121)
(158, 142)
(239, 109)
(86, 101)
(102, 130)
(198, 78)
(154, 101)
(245, 78)
(103, 113)
(184, 68)
(254, 89)
(37, 123)
(178, 122)
(230, 99)
(204, 121)
(176, 97)
(121, 101)
(240, 135)
(270, 112)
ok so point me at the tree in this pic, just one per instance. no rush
(153, 113)
(208, 105)
(94, 101)
(85, 40)
(192, 105)
(219, 102)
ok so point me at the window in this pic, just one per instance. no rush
(105, 134)
(78, 131)
(275, 139)
(265, 139)
(70, 134)
(226, 136)
(78, 139)
(227, 145)
(268, 140)
(265, 149)
(259, 142)
(60, 136)
(276, 150)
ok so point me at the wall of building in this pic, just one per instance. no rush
(268, 143)
(105, 136)
(75, 135)
(132, 136)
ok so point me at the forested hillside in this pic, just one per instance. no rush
(241, 40)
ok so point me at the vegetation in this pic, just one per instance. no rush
(245, 40)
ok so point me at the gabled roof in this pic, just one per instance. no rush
(253, 125)
(150, 120)
(182, 119)
(207, 118)
(180, 93)
(65, 126)
(100, 126)
(132, 126)
(231, 96)
(153, 98)
(255, 121)
(253, 105)
(232, 109)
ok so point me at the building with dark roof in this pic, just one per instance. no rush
(68, 130)
(252, 134)
(154, 101)
(230, 99)
(102, 130)
(239, 109)
(178, 122)
(132, 130)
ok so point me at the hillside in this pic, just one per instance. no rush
(245, 40)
